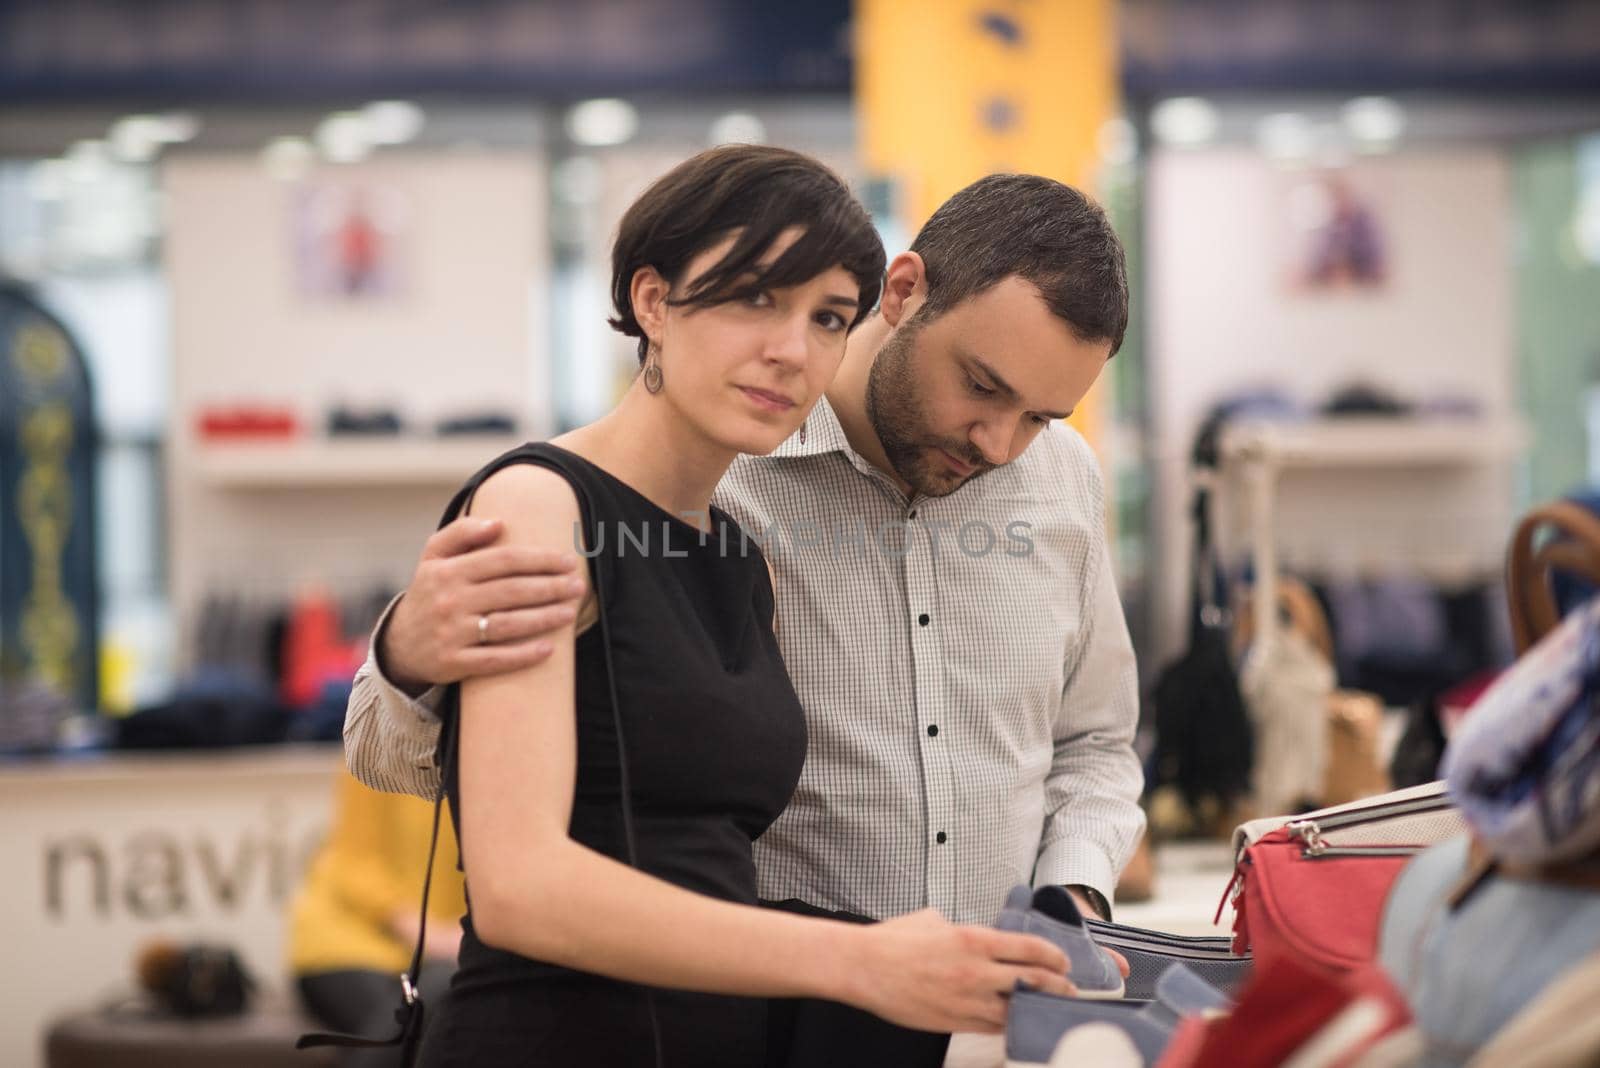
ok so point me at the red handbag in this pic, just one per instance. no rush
(1312, 887)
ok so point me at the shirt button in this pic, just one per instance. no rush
(940, 838)
(922, 620)
(933, 730)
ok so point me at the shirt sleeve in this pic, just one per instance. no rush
(1092, 816)
(390, 738)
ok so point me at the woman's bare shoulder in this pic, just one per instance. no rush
(530, 498)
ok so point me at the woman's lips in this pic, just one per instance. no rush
(772, 402)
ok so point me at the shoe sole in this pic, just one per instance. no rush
(1103, 995)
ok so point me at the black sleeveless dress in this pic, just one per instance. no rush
(715, 738)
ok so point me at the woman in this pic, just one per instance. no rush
(740, 272)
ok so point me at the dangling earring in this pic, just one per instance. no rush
(652, 371)
(803, 432)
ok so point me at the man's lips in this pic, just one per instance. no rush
(957, 465)
(772, 402)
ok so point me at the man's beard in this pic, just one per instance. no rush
(894, 408)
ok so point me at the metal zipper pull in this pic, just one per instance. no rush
(1311, 834)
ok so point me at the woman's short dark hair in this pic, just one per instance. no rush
(759, 191)
(1044, 232)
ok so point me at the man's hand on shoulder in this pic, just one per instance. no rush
(477, 606)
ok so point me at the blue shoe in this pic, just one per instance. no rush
(1037, 1023)
(1051, 914)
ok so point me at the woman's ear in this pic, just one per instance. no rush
(905, 287)
(648, 292)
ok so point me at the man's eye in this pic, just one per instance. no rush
(1040, 420)
(979, 388)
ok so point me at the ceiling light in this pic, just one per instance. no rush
(738, 128)
(1374, 120)
(136, 138)
(178, 127)
(1184, 121)
(392, 122)
(287, 158)
(602, 123)
(343, 137)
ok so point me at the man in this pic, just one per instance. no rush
(945, 600)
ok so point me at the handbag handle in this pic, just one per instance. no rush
(1300, 606)
(1530, 596)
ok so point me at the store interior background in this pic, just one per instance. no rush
(166, 181)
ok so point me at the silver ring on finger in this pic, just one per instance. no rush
(483, 629)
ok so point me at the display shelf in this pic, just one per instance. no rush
(1363, 441)
(1436, 455)
(398, 461)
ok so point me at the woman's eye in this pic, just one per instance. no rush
(758, 299)
(832, 321)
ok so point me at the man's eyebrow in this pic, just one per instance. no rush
(1005, 387)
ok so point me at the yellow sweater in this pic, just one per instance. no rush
(371, 865)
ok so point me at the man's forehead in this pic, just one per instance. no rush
(1010, 332)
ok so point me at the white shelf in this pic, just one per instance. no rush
(1374, 442)
(397, 461)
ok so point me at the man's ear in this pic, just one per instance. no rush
(648, 293)
(905, 287)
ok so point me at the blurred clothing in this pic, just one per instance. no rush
(371, 866)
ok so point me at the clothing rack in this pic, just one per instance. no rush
(1435, 474)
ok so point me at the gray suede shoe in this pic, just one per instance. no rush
(1051, 914)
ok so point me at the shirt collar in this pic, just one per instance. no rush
(823, 434)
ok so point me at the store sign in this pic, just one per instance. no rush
(110, 854)
(48, 634)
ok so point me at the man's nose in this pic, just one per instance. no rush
(992, 437)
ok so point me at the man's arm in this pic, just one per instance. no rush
(1093, 819)
(390, 738)
(432, 635)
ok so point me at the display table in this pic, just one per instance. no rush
(262, 1038)
(104, 854)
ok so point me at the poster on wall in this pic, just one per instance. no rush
(350, 241)
(1335, 232)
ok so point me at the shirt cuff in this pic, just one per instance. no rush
(1074, 861)
(425, 706)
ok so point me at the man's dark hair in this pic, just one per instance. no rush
(761, 192)
(1044, 232)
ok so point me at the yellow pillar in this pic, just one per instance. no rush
(948, 91)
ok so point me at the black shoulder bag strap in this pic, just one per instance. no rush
(409, 1015)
